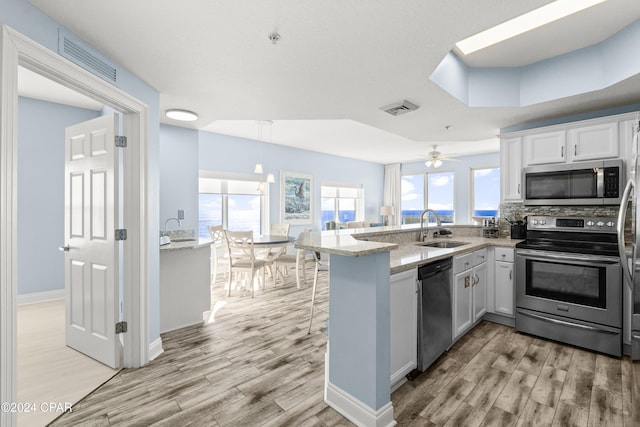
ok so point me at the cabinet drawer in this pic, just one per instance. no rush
(504, 254)
(479, 256)
(462, 262)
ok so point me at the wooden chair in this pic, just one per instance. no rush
(299, 260)
(320, 266)
(219, 254)
(242, 258)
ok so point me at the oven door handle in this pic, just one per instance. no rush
(574, 258)
(565, 323)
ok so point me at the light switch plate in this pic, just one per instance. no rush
(180, 214)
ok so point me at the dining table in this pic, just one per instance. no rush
(276, 246)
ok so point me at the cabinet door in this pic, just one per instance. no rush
(479, 290)
(404, 321)
(594, 142)
(511, 169)
(545, 148)
(462, 304)
(504, 283)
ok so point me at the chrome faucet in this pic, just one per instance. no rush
(172, 219)
(423, 235)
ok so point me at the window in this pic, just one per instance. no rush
(236, 204)
(412, 202)
(440, 196)
(486, 192)
(341, 203)
(436, 188)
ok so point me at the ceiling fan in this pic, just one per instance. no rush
(436, 158)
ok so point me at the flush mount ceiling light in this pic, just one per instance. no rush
(181, 115)
(523, 23)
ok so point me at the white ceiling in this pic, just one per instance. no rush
(336, 63)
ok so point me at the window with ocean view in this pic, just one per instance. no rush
(412, 203)
(440, 196)
(486, 192)
(340, 203)
(235, 204)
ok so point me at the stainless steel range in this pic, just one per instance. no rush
(569, 282)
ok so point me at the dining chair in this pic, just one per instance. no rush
(320, 266)
(299, 260)
(219, 254)
(272, 255)
(242, 258)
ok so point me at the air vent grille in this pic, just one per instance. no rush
(400, 108)
(81, 54)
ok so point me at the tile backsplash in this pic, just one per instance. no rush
(510, 210)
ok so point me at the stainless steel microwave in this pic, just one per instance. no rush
(585, 183)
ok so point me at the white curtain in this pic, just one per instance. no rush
(392, 192)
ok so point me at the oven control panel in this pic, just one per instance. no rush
(597, 224)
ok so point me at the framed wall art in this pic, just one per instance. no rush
(296, 198)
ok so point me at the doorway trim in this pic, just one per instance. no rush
(18, 50)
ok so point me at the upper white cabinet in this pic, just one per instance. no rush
(594, 142)
(511, 169)
(544, 148)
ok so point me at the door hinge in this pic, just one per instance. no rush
(121, 141)
(121, 234)
(121, 327)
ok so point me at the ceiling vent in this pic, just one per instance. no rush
(400, 108)
(80, 53)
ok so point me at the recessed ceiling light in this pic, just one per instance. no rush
(523, 23)
(182, 115)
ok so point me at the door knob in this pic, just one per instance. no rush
(63, 248)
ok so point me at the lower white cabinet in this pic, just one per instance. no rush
(469, 290)
(404, 324)
(504, 281)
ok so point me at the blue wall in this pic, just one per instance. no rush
(462, 179)
(184, 151)
(28, 20)
(41, 192)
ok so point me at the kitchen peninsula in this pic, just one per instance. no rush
(358, 358)
(185, 280)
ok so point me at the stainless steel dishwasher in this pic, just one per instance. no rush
(434, 311)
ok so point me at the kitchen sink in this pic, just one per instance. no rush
(442, 244)
(183, 239)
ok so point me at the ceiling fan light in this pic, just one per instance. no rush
(181, 115)
(428, 163)
(437, 163)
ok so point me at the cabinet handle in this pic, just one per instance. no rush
(518, 188)
(510, 274)
(575, 149)
(562, 152)
(504, 255)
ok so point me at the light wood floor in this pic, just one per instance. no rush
(48, 370)
(254, 365)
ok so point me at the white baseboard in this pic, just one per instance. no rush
(155, 349)
(38, 297)
(356, 411)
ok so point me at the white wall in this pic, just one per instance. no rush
(461, 180)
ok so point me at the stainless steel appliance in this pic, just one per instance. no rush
(629, 252)
(434, 311)
(584, 183)
(569, 282)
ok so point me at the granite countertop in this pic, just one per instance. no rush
(403, 256)
(180, 244)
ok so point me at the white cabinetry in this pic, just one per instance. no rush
(469, 290)
(404, 324)
(594, 142)
(543, 148)
(511, 169)
(504, 281)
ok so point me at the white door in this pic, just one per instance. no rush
(91, 251)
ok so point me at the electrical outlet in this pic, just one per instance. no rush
(180, 214)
